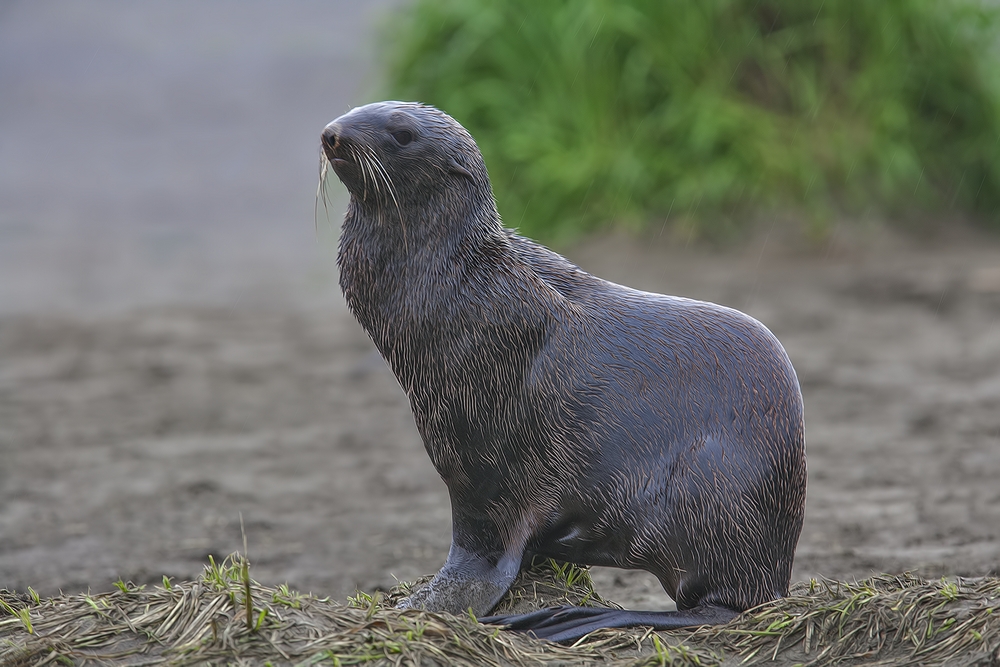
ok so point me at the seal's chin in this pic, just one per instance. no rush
(350, 175)
(344, 169)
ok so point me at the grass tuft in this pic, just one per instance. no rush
(694, 114)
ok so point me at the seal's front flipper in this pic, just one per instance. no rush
(467, 581)
(566, 624)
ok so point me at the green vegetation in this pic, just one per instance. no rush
(698, 113)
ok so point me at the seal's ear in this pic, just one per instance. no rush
(455, 168)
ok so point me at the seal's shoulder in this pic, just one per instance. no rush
(561, 275)
(647, 315)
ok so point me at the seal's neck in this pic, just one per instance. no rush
(413, 274)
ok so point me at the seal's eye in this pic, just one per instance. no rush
(402, 137)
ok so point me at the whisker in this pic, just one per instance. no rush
(371, 173)
(370, 168)
(388, 181)
(392, 193)
(324, 167)
(375, 173)
(364, 173)
(377, 165)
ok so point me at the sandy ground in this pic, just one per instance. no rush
(174, 355)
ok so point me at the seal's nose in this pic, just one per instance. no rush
(330, 133)
(330, 138)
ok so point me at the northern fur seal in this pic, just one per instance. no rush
(569, 416)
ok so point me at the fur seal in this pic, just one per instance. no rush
(570, 417)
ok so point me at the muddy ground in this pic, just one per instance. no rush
(174, 355)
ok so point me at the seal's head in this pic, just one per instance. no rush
(399, 154)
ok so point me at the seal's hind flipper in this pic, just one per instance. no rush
(566, 624)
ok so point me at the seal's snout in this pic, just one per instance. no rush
(331, 142)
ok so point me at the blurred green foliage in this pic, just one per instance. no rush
(702, 112)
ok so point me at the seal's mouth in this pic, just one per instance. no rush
(332, 156)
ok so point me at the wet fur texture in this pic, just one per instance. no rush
(569, 416)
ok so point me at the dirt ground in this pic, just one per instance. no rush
(174, 355)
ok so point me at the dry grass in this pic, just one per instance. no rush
(883, 620)
(226, 618)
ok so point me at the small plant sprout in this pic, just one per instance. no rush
(287, 597)
(360, 600)
(260, 619)
(21, 614)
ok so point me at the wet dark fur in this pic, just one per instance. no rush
(569, 416)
